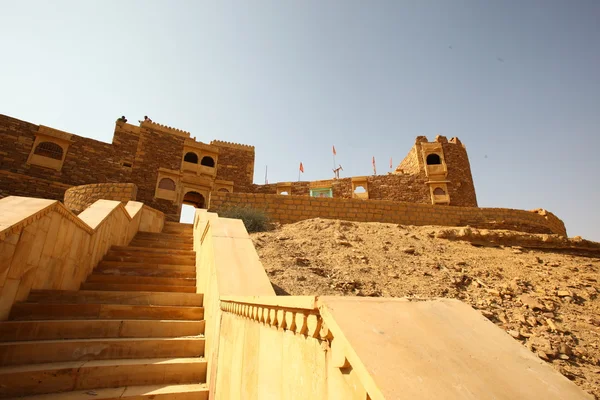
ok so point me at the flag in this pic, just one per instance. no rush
(334, 153)
(374, 167)
(301, 168)
(391, 165)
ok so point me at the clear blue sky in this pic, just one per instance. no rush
(517, 81)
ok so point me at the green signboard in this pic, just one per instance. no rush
(321, 192)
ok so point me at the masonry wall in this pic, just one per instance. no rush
(287, 209)
(461, 187)
(16, 178)
(411, 164)
(89, 161)
(408, 188)
(78, 198)
(155, 150)
(236, 163)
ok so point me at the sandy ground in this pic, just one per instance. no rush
(547, 301)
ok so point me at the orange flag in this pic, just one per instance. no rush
(374, 167)
(301, 168)
(334, 153)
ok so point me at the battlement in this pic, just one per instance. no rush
(231, 145)
(438, 139)
(164, 128)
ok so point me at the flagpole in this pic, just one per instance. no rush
(266, 180)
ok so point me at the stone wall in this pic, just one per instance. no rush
(461, 187)
(408, 188)
(14, 184)
(156, 149)
(134, 156)
(287, 209)
(411, 164)
(236, 163)
(78, 198)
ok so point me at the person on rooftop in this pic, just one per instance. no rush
(122, 119)
(146, 119)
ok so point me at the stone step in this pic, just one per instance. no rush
(120, 264)
(181, 232)
(51, 351)
(178, 232)
(161, 245)
(143, 270)
(143, 280)
(164, 237)
(86, 375)
(153, 259)
(35, 311)
(12, 331)
(103, 297)
(134, 287)
(159, 237)
(198, 391)
(177, 225)
(133, 250)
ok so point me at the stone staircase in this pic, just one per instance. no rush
(135, 330)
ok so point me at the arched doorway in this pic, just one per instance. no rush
(194, 199)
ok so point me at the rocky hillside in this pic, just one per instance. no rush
(541, 289)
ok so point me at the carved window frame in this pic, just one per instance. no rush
(50, 135)
(166, 194)
(360, 181)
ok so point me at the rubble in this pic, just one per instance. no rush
(552, 310)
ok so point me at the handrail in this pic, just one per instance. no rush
(308, 316)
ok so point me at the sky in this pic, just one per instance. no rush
(517, 81)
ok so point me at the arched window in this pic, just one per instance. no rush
(223, 190)
(166, 184)
(433, 159)
(439, 192)
(50, 150)
(360, 189)
(284, 193)
(207, 161)
(191, 158)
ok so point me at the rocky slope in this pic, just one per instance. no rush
(545, 298)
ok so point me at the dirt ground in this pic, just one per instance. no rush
(547, 301)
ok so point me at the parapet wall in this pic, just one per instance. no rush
(288, 209)
(44, 246)
(79, 198)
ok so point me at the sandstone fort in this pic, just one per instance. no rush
(164, 167)
(105, 295)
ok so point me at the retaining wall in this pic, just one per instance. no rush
(288, 209)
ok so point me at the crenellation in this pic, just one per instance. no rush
(231, 145)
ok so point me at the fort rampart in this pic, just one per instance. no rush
(288, 209)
